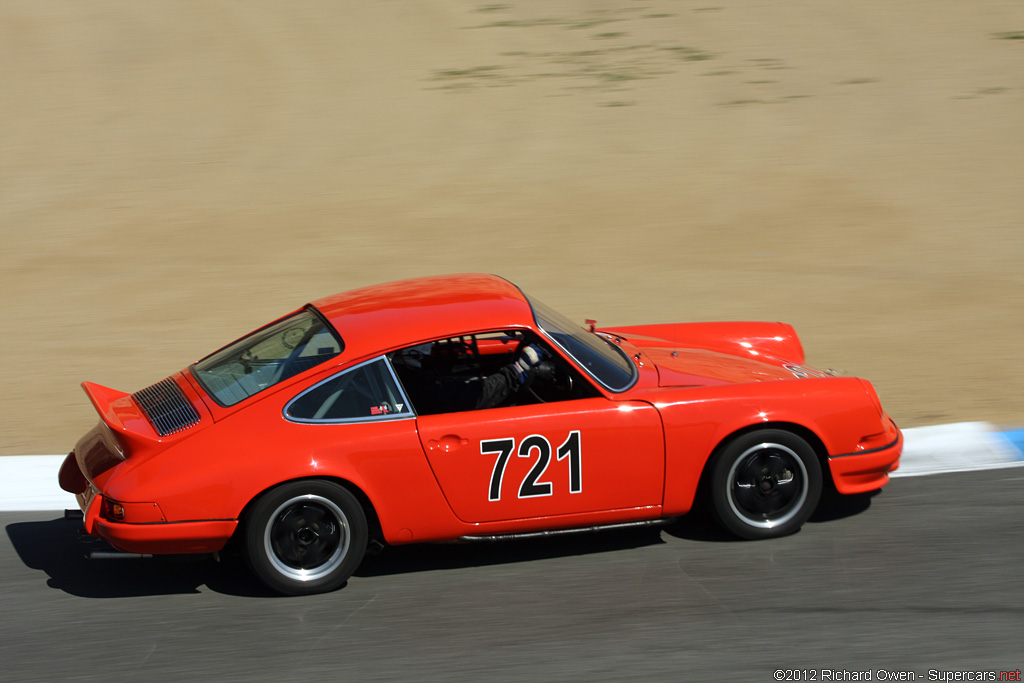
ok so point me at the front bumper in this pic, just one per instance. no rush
(863, 471)
(161, 538)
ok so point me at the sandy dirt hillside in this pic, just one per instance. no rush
(174, 174)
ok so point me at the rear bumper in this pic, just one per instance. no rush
(864, 471)
(164, 538)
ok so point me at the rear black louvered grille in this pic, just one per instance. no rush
(166, 407)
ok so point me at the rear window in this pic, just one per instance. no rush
(266, 357)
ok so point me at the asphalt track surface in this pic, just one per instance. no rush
(924, 576)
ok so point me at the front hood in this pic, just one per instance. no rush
(702, 354)
(678, 367)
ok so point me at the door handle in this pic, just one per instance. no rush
(448, 443)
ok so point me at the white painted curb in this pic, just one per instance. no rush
(29, 482)
(958, 447)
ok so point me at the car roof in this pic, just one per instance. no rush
(397, 314)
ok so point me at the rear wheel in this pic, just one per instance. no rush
(765, 484)
(305, 537)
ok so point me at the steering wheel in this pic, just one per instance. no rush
(563, 379)
(560, 381)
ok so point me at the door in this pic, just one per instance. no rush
(530, 461)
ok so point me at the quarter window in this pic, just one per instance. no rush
(365, 392)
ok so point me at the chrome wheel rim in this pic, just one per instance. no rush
(307, 537)
(767, 485)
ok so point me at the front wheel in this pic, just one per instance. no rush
(765, 484)
(305, 537)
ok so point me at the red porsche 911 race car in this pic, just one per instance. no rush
(454, 407)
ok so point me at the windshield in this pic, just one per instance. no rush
(602, 359)
(266, 357)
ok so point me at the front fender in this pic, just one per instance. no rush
(698, 420)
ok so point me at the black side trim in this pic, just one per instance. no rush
(180, 521)
(870, 450)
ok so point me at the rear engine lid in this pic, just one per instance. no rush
(149, 414)
(165, 406)
(131, 425)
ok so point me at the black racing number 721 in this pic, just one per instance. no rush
(531, 486)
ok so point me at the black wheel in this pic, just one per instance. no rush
(765, 484)
(305, 537)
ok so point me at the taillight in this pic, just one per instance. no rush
(112, 511)
(140, 513)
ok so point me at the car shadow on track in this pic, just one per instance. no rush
(60, 548)
(440, 556)
(699, 525)
(834, 506)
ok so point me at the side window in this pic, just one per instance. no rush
(480, 371)
(365, 392)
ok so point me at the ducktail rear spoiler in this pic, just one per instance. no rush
(123, 428)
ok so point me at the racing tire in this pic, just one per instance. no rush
(305, 537)
(765, 484)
